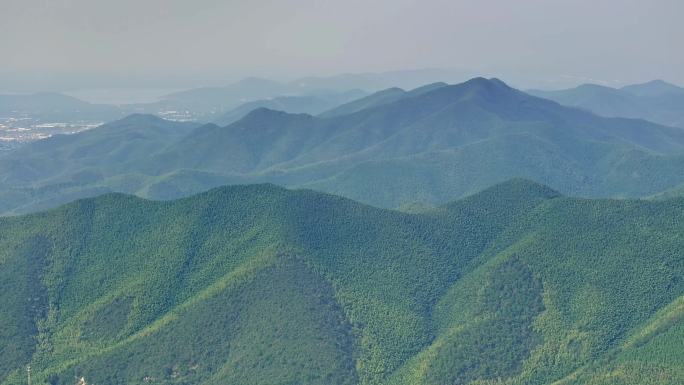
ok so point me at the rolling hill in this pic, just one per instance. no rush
(656, 101)
(261, 285)
(427, 145)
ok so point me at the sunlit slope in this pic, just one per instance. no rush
(262, 285)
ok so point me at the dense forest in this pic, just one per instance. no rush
(257, 284)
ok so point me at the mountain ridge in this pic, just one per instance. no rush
(439, 142)
(655, 101)
(319, 289)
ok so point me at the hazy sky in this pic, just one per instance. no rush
(177, 42)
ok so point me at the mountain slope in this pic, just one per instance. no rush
(260, 285)
(102, 148)
(65, 167)
(377, 99)
(655, 101)
(306, 104)
(445, 142)
(447, 117)
(430, 145)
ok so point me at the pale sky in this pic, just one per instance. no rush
(177, 43)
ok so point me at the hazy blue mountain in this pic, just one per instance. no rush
(264, 286)
(224, 98)
(654, 88)
(379, 98)
(656, 101)
(227, 104)
(426, 147)
(232, 95)
(310, 104)
(55, 106)
(407, 79)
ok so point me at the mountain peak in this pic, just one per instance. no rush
(269, 112)
(525, 186)
(520, 188)
(263, 115)
(656, 87)
(512, 192)
(138, 118)
(484, 84)
(480, 80)
(476, 88)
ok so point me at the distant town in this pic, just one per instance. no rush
(20, 128)
(16, 130)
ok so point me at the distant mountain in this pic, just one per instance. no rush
(209, 100)
(407, 79)
(55, 106)
(450, 141)
(310, 104)
(66, 167)
(427, 146)
(377, 99)
(654, 88)
(656, 101)
(261, 285)
(103, 149)
(673, 192)
(230, 96)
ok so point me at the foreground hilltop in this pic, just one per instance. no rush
(262, 285)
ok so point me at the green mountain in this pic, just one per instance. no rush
(656, 101)
(450, 141)
(62, 168)
(428, 146)
(261, 285)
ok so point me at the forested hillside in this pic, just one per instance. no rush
(258, 284)
(424, 146)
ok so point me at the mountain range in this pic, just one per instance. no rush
(312, 104)
(222, 105)
(656, 101)
(427, 145)
(56, 107)
(254, 88)
(258, 285)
